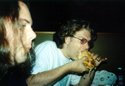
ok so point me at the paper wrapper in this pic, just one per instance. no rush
(89, 61)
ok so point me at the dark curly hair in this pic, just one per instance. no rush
(69, 28)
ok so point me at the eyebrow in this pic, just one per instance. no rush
(81, 37)
(25, 20)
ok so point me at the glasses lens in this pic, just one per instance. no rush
(83, 41)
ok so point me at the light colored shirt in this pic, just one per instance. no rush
(104, 77)
(48, 57)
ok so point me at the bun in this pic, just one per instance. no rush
(89, 62)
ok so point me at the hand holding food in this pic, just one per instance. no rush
(92, 60)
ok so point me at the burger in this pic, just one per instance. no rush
(89, 62)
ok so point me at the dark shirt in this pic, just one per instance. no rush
(14, 78)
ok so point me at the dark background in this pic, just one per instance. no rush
(105, 15)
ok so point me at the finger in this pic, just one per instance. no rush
(98, 59)
(105, 59)
(95, 56)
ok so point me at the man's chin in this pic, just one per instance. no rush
(20, 61)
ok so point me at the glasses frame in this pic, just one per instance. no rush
(82, 41)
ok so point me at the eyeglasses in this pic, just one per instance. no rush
(82, 41)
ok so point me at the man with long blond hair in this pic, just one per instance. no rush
(16, 36)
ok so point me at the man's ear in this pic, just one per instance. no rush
(67, 40)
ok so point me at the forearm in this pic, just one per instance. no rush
(87, 79)
(47, 78)
(84, 82)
